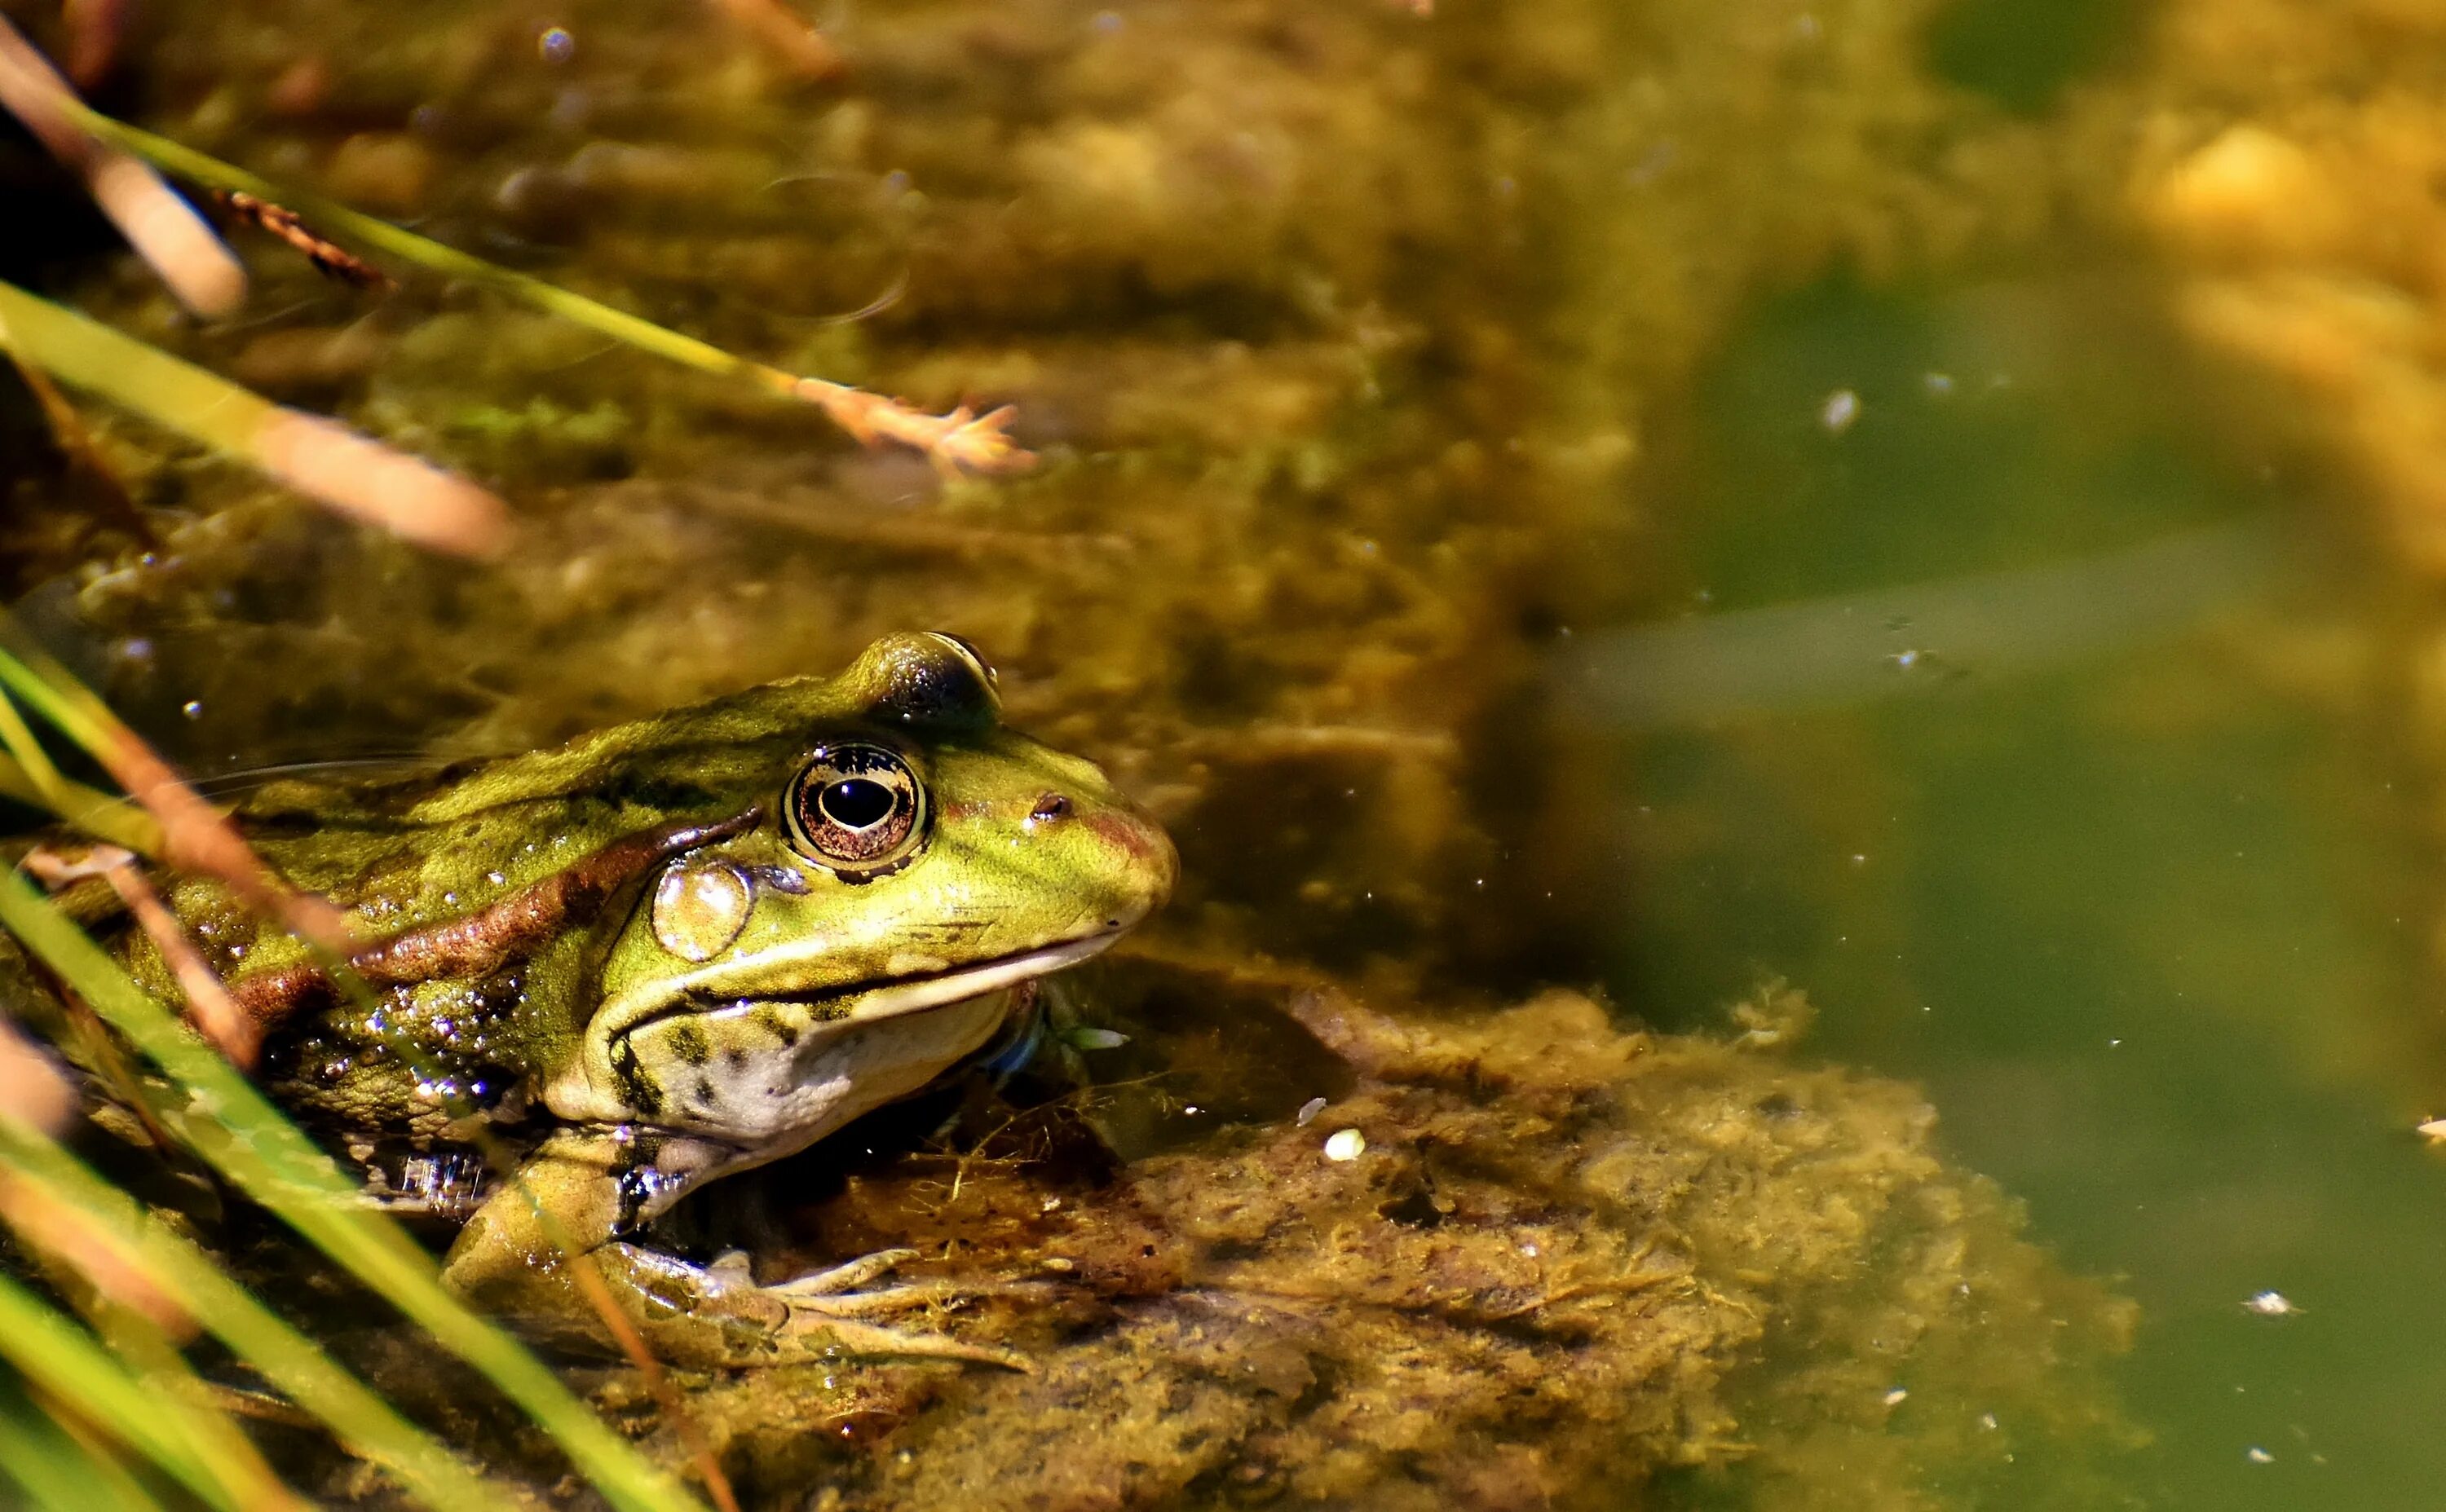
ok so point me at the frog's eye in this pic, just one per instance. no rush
(856, 809)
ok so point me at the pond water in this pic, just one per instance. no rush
(2119, 869)
(1651, 500)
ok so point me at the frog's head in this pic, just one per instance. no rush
(912, 860)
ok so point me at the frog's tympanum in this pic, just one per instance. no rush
(669, 951)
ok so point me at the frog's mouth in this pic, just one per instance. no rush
(846, 1003)
(914, 994)
(593, 1090)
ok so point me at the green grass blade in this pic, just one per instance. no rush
(266, 1156)
(54, 1471)
(64, 1360)
(424, 251)
(95, 812)
(320, 457)
(174, 394)
(956, 441)
(284, 1357)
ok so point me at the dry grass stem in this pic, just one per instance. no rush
(328, 462)
(32, 1091)
(800, 46)
(85, 464)
(412, 499)
(164, 230)
(586, 1271)
(195, 835)
(69, 1236)
(208, 1001)
(962, 440)
(215, 1016)
(329, 259)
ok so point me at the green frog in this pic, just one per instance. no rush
(665, 953)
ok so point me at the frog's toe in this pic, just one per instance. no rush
(828, 1305)
(819, 1332)
(847, 1276)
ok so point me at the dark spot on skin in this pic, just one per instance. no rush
(690, 1044)
(705, 1092)
(735, 1058)
(635, 1086)
(771, 1021)
(635, 1181)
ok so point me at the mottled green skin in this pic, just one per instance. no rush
(645, 1073)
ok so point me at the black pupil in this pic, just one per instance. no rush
(855, 803)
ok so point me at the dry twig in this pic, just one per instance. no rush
(960, 441)
(164, 230)
(329, 259)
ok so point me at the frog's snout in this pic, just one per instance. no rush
(1141, 863)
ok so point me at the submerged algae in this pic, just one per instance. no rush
(1570, 1260)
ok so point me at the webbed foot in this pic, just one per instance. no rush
(513, 1259)
(718, 1314)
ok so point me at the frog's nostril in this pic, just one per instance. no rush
(1051, 806)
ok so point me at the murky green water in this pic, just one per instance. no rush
(2146, 916)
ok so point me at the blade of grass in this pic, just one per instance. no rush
(155, 1361)
(958, 439)
(65, 1236)
(57, 1471)
(87, 467)
(292, 1363)
(67, 703)
(320, 458)
(194, 836)
(32, 1087)
(164, 230)
(218, 1018)
(95, 812)
(265, 1155)
(66, 1361)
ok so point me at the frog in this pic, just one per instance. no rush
(665, 953)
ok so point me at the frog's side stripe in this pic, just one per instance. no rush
(502, 931)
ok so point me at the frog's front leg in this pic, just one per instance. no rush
(581, 1196)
